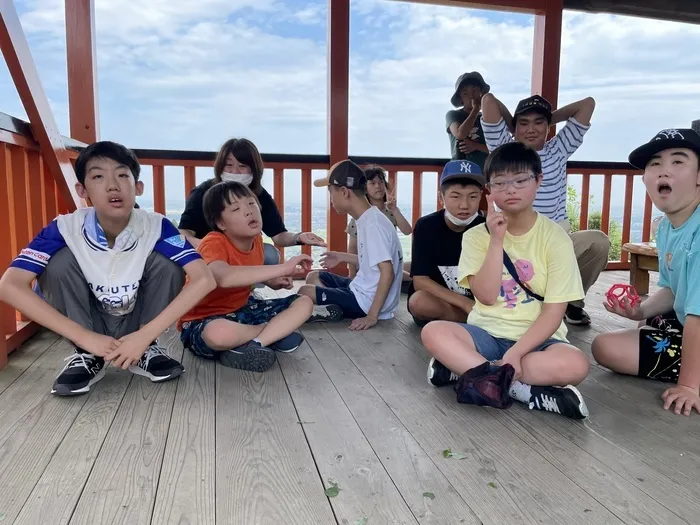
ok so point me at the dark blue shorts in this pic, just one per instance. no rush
(494, 348)
(336, 290)
(256, 311)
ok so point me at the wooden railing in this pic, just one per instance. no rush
(29, 199)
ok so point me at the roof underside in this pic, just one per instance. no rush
(676, 10)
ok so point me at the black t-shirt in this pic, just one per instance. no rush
(436, 250)
(477, 135)
(193, 216)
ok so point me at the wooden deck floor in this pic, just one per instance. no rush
(227, 447)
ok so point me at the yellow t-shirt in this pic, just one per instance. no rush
(545, 260)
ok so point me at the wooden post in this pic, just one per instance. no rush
(547, 51)
(338, 86)
(82, 70)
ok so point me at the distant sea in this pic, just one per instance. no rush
(292, 220)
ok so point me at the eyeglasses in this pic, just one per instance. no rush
(518, 183)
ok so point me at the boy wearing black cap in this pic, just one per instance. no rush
(464, 124)
(435, 292)
(530, 125)
(375, 290)
(667, 346)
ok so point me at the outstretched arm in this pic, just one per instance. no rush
(582, 111)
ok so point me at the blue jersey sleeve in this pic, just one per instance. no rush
(174, 246)
(35, 257)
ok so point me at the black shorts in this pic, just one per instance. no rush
(660, 344)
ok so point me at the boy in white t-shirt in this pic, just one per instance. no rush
(374, 292)
(112, 276)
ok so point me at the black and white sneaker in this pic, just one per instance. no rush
(566, 401)
(251, 356)
(81, 372)
(577, 316)
(157, 365)
(288, 344)
(440, 375)
(329, 313)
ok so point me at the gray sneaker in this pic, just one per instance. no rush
(329, 313)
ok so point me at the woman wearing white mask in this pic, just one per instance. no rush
(239, 160)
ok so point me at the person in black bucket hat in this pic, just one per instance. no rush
(464, 124)
(665, 346)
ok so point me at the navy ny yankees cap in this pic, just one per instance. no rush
(665, 139)
(463, 170)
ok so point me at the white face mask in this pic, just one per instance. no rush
(460, 222)
(243, 178)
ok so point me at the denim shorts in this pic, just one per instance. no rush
(256, 311)
(494, 348)
(335, 289)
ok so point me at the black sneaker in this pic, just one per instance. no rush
(81, 372)
(440, 375)
(566, 401)
(288, 344)
(157, 365)
(329, 313)
(577, 316)
(251, 356)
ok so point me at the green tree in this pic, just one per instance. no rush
(573, 211)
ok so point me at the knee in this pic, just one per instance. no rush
(600, 348)
(579, 367)
(272, 254)
(433, 333)
(308, 291)
(61, 264)
(416, 304)
(313, 277)
(597, 242)
(304, 303)
(216, 338)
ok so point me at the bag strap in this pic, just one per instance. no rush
(514, 273)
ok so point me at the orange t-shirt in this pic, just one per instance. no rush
(216, 247)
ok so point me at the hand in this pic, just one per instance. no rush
(302, 260)
(330, 260)
(495, 221)
(311, 239)
(391, 201)
(681, 396)
(468, 145)
(623, 308)
(363, 323)
(514, 361)
(96, 344)
(279, 283)
(130, 350)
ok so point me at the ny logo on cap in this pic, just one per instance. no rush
(465, 167)
(670, 134)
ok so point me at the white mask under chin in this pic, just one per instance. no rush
(243, 178)
(460, 222)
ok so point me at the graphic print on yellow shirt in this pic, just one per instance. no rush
(545, 262)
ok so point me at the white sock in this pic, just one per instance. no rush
(256, 340)
(520, 392)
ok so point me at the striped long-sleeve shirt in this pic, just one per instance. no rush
(551, 197)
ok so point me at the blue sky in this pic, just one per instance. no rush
(186, 75)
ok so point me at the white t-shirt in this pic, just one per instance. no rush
(377, 241)
(551, 197)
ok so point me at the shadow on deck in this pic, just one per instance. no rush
(227, 447)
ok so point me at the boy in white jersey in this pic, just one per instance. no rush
(530, 125)
(667, 345)
(520, 266)
(374, 292)
(112, 276)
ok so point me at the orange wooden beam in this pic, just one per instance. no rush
(82, 70)
(26, 78)
(339, 84)
(547, 51)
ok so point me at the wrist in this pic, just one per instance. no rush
(295, 239)
(693, 388)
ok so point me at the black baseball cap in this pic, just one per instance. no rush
(474, 78)
(536, 103)
(665, 139)
(345, 174)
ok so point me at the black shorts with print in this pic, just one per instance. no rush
(660, 344)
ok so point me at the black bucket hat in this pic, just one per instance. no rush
(665, 139)
(475, 78)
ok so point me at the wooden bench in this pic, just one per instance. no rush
(643, 259)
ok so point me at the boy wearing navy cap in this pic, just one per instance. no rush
(375, 290)
(666, 347)
(435, 292)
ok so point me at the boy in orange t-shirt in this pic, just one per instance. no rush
(228, 324)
